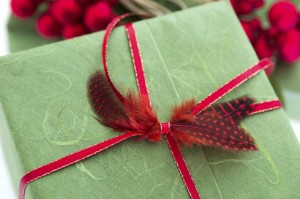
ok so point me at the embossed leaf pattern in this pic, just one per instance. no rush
(186, 54)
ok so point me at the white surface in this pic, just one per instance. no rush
(4, 13)
(6, 189)
(296, 126)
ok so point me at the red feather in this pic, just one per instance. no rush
(103, 100)
(217, 126)
(134, 115)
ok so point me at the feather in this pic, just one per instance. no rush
(236, 109)
(216, 126)
(182, 113)
(103, 100)
(134, 115)
(141, 116)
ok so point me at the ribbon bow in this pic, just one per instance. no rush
(191, 123)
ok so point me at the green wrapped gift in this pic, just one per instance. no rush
(46, 115)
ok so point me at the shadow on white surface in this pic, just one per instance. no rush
(296, 126)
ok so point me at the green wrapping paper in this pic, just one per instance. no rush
(186, 54)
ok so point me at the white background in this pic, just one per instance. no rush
(6, 190)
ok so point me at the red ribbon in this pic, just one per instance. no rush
(165, 126)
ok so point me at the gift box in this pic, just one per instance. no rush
(23, 35)
(46, 113)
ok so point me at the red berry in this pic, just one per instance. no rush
(47, 26)
(245, 7)
(252, 28)
(95, 20)
(67, 11)
(255, 24)
(23, 8)
(234, 5)
(289, 46)
(71, 31)
(298, 23)
(289, 52)
(262, 47)
(272, 32)
(38, 1)
(258, 3)
(111, 2)
(283, 15)
(291, 35)
(248, 30)
(88, 2)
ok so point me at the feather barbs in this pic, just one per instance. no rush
(134, 115)
(217, 126)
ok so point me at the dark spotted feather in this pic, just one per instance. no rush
(104, 101)
(217, 126)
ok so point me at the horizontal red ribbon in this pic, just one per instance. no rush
(141, 81)
(232, 84)
(70, 159)
(266, 106)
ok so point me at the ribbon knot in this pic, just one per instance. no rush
(164, 127)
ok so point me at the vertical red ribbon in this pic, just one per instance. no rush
(143, 90)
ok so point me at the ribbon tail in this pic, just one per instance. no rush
(266, 106)
(69, 160)
(232, 84)
(181, 165)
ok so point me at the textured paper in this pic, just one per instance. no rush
(186, 54)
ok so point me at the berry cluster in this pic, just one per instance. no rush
(282, 38)
(67, 18)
